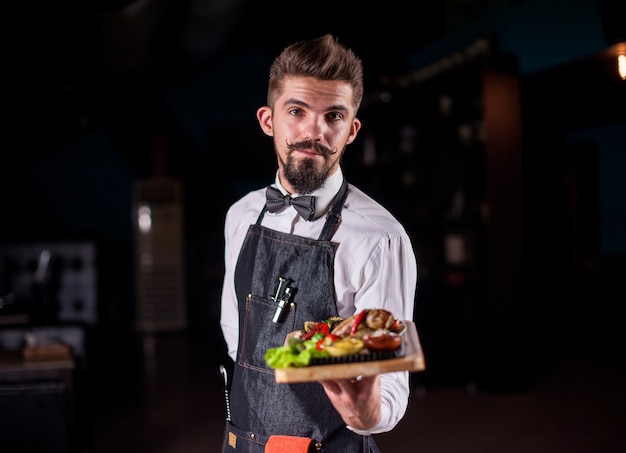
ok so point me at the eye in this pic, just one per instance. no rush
(294, 111)
(334, 116)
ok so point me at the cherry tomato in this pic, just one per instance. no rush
(320, 327)
(326, 341)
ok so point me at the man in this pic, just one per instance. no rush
(338, 256)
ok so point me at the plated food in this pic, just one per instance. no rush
(371, 334)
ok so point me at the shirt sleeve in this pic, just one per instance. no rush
(390, 280)
(395, 400)
(229, 317)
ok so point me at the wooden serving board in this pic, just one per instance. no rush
(413, 360)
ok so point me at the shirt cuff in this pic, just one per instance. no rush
(381, 427)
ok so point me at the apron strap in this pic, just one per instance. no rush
(334, 214)
(261, 215)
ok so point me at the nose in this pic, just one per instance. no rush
(313, 127)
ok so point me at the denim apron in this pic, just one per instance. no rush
(259, 406)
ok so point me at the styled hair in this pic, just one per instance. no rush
(323, 58)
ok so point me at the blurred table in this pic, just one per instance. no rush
(36, 399)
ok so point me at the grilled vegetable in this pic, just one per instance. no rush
(344, 346)
(368, 331)
(358, 319)
(312, 327)
(368, 321)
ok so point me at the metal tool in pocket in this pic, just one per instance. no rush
(283, 296)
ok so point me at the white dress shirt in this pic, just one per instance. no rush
(375, 267)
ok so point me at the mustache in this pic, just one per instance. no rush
(317, 146)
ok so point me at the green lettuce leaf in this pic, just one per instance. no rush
(297, 353)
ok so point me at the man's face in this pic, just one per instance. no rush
(312, 122)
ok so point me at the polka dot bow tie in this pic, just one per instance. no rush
(276, 201)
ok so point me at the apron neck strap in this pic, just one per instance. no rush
(334, 214)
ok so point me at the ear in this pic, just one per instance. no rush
(264, 115)
(356, 126)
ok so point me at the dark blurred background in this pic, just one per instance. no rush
(494, 130)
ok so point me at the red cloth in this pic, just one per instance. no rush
(287, 444)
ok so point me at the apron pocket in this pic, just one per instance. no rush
(259, 312)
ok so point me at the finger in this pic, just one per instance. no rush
(331, 386)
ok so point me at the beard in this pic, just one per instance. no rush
(304, 176)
